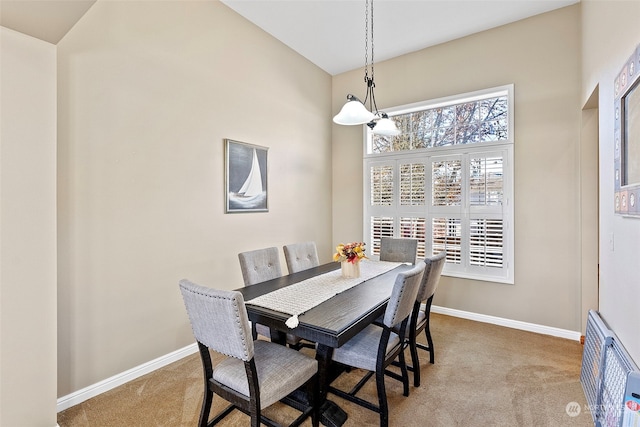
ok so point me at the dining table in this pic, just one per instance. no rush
(330, 323)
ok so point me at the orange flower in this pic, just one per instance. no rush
(351, 252)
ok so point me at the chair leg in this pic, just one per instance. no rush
(415, 361)
(382, 399)
(256, 416)
(206, 407)
(207, 371)
(405, 374)
(427, 332)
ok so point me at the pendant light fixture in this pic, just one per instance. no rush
(355, 112)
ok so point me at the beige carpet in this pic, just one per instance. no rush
(484, 375)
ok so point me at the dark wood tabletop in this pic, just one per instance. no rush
(334, 321)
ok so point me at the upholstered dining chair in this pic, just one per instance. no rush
(258, 266)
(376, 347)
(255, 374)
(398, 249)
(420, 314)
(301, 256)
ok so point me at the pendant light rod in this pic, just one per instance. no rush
(368, 24)
(370, 82)
(355, 112)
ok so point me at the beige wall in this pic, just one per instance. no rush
(610, 33)
(27, 231)
(540, 56)
(147, 93)
(589, 201)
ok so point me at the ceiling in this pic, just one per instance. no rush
(329, 33)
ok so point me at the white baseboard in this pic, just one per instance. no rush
(515, 324)
(117, 380)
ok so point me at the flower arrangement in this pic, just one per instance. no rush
(351, 252)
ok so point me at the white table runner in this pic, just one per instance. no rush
(300, 297)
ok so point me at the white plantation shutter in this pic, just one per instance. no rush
(465, 213)
(486, 223)
(485, 181)
(380, 227)
(412, 184)
(447, 236)
(446, 177)
(486, 242)
(382, 185)
(447, 181)
(382, 202)
(415, 228)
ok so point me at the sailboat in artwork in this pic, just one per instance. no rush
(253, 184)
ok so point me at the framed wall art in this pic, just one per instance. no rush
(245, 177)
(627, 138)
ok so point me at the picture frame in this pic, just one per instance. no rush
(627, 138)
(245, 177)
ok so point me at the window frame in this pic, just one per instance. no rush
(466, 212)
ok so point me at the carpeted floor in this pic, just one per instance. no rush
(484, 375)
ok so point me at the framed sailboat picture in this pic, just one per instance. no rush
(246, 177)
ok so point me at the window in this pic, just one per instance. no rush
(447, 180)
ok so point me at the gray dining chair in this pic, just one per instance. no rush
(259, 266)
(301, 256)
(254, 374)
(398, 249)
(421, 313)
(376, 347)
